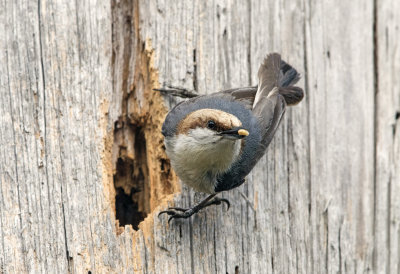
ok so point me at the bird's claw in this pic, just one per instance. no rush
(228, 204)
(218, 201)
(179, 212)
(171, 210)
(175, 213)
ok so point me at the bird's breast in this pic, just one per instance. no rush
(198, 162)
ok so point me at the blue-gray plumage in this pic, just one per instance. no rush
(215, 140)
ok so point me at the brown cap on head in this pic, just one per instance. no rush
(200, 118)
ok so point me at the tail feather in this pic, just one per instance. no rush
(293, 95)
(288, 75)
(275, 72)
(268, 76)
(275, 91)
(287, 78)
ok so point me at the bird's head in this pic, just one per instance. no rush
(209, 138)
(212, 126)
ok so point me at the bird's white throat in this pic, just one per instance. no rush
(199, 156)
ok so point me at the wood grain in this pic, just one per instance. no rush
(323, 199)
(387, 138)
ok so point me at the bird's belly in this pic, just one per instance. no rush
(194, 173)
(199, 165)
(201, 182)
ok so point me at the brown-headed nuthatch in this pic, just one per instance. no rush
(215, 140)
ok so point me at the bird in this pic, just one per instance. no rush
(214, 141)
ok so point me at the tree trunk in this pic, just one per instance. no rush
(83, 168)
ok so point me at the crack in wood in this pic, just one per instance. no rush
(142, 173)
(195, 81)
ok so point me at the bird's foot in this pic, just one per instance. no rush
(218, 201)
(178, 212)
(177, 91)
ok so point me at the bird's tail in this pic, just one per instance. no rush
(288, 76)
(274, 92)
(275, 72)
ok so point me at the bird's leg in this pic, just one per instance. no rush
(178, 212)
(215, 201)
(177, 91)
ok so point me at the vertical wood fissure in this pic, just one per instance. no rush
(190, 222)
(308, 110)
(375, 116)
(45, 143)
(249, 42)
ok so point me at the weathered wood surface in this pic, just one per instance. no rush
(323, 199)
(387, 139)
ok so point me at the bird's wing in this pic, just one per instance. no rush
(269, 111)
(244, 95)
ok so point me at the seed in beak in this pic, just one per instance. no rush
(243, 132)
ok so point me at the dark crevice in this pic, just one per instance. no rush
(326, 226)
(375, 111)
(249, 45)
(70, 263)
(127, 210)
(340, 246)
(394, 126)
(245, 208)
(70, 270)
(191, 242)
(63, 191)
(41, 46)
(272, 263)
(290, 146)
(225, 56)
(131, 180)
(388, 225)
(307, 98)
(195, 81)
(215, 247)
(308, 107)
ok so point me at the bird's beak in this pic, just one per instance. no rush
(236, 133)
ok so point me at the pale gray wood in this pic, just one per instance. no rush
(387, 108)
(323, 199)
(341, 108)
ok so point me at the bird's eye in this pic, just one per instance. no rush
(211, 124)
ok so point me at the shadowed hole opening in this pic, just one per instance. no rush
(131, 180)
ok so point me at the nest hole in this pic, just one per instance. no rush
(131, 181)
